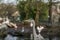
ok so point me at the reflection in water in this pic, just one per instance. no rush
(10, 37)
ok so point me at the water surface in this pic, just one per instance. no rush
(10, 37)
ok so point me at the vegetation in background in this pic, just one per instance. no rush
(36, 10)
(30, 9)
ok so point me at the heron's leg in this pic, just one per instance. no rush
(31, 36)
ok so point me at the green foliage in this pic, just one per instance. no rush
(28, 9)
(44, 12)
(21, 7)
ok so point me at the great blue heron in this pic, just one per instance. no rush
(36, 37)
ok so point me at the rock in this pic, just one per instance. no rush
(3, 30)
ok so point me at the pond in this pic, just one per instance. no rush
(10, 37)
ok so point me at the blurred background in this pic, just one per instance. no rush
(43, 12)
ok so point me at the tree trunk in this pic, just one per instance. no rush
(27, 16)
(37, 15)
(50, 8)
(37, 18)
(28, 11)
(38, 5)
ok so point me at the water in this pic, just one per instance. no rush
(10, 37)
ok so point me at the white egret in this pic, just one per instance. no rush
(40, 28)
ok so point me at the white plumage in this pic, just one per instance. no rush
(40, 28)
(31, 24)
(22, 29)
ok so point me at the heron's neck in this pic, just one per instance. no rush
(34, 30)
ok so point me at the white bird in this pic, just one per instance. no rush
(40, 28)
